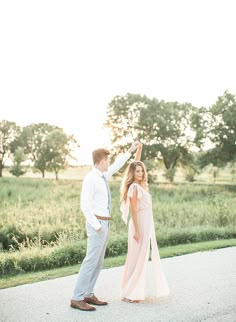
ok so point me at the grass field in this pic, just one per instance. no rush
(44, 211)
(38, 215)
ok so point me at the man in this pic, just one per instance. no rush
(96, 207)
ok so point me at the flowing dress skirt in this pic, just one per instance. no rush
(135, 271)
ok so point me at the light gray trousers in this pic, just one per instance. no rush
(93, 261)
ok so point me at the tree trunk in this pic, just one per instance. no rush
(1, 167)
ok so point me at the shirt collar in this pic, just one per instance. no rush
(97, 171)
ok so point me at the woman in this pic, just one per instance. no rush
(136, 197)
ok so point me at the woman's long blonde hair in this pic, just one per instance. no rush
(129, 178)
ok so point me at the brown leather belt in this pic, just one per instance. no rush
(103, 218)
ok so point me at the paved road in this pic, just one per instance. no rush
(202, 285)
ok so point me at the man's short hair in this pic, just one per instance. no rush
(99, 155)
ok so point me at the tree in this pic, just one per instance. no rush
(224, 126)
(221, 131)
(58, 150)
(200, 120)
(165, 128)
(32, 139)
(123, 113)
(214, 171)
(233, 170)
(8, 132)
(47, 146)
(19, 157)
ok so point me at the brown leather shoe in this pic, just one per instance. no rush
(94, 300)
(81, 305)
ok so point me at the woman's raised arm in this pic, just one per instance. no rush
(138, 152)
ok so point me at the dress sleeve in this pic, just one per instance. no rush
(125, 204)
(132, 188)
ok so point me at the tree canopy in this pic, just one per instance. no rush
(8, 133)
(46, 146)
(221, 130)
(165, 128)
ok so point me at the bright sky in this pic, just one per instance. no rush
(62, 62)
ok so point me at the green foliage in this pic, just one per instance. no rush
(58, 149)
(41, 225)
(46, 146)
(171, 131)
(194, 235)
(215, 172)
(190, 175)
(39, 210)
(221, 129)
(36, 258)
(233, 172)
(166, 128)
(117, 245)
(17, 169)
(169, 174)
(8, 133)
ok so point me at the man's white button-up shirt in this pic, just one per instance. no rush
(94, 195)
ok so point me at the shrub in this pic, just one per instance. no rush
(37, 259)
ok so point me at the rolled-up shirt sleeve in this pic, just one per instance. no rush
(118, 163)
(86, 202)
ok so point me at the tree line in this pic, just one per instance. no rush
(46, 147)
(173, 134)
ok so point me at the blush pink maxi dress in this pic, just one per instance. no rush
(135, 271)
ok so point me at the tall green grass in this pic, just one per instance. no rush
(41, 224)
(41, 210)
